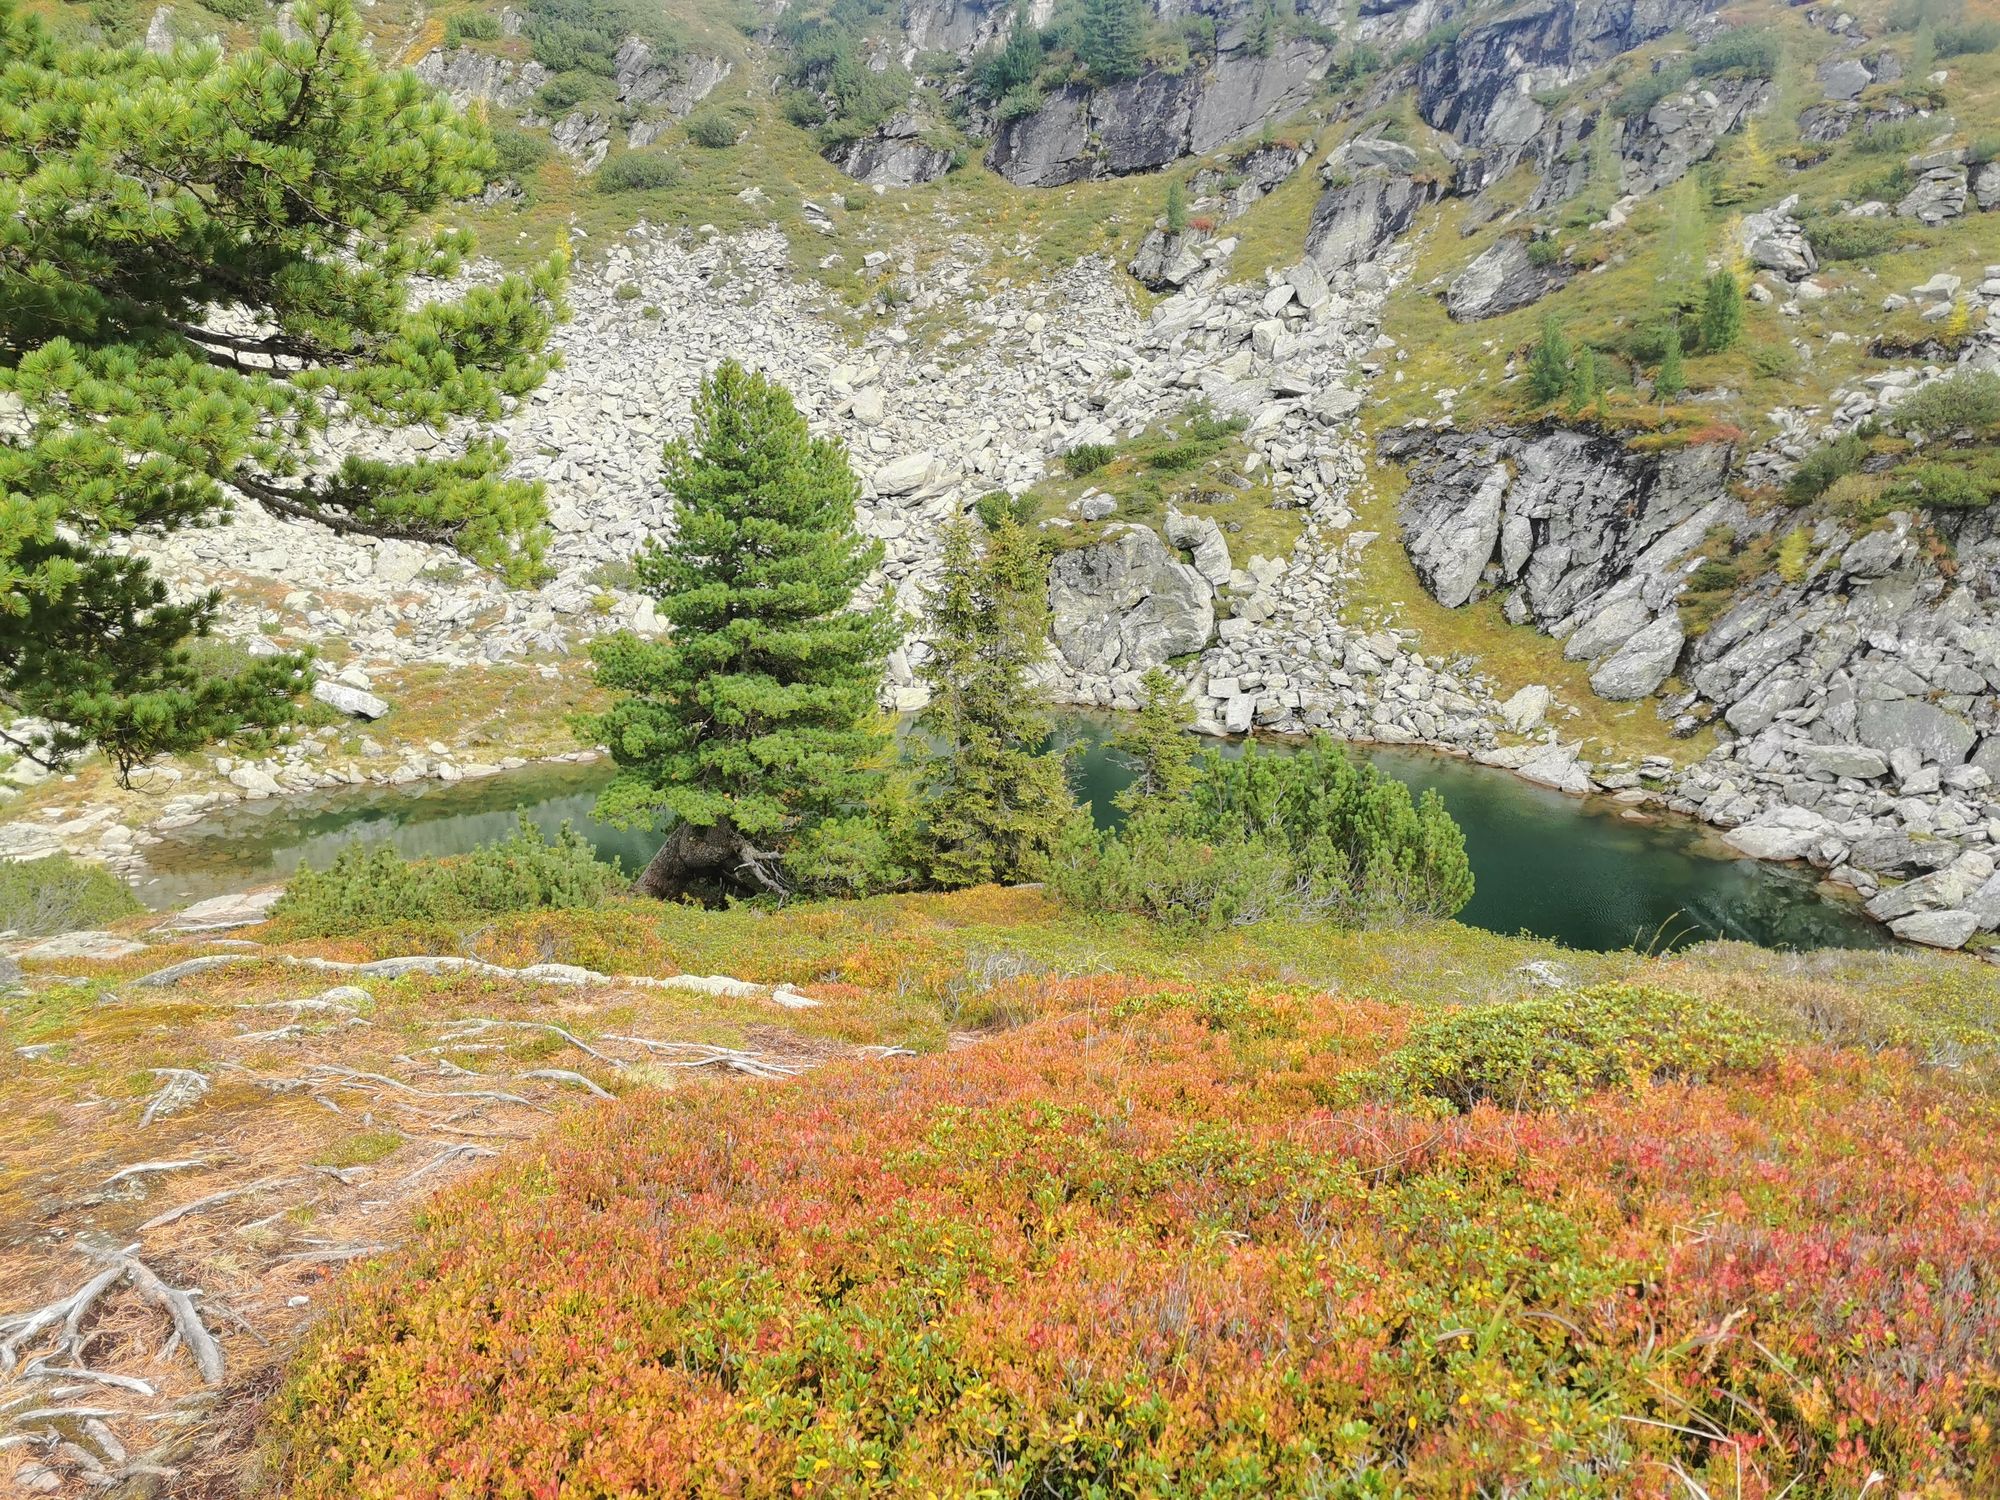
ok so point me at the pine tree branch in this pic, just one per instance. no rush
(302, 505)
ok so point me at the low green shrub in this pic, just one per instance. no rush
(1205, 426)
(1967, 38)
(370, 885)
(1823, 465)
(997, 508)
(1894, 137)
(638, 171)
(564, 91)
(1838, 238)
(1178, 457)
(1307, 836)
(1550, 1052)
(1969, 400)
(1740, 54)
(1088, 458)
(712, 129)
(474, 26)
(1642, 94)
(60, 894)
(516, 153)
(1946, 487)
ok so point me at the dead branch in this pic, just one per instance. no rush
(178, 1305)
(260, 1185)
(130, 1383)
(326, 1075)
(564, 1075)
(290, 1033)
(144, 1168)
(450, 1153)
(707, 1056)
(68, 1311)
(337, 1253)
(472, 1026)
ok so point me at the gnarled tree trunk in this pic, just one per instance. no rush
(708, 864)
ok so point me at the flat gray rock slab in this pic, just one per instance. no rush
(221, 913)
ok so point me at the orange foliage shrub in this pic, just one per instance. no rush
(1165, 1244)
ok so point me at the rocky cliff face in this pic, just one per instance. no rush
(1480, 89)
(1147, 122)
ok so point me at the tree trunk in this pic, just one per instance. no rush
(694, 861)
(709, 864)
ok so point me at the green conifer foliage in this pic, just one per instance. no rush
(1548, 364)
(755, 721)
(1177, 213)
(995, 802)
(199, 256)
(1670, 380)
(1156, 744)
(1112, 39)
(1583, 380)
(1721, 313)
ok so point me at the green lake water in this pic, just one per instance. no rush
(1575, 870)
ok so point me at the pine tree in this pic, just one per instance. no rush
(1112, 39)
(755, 721)
(1158, 747)
(1177, 215)
(1669, 380)
(291, 187)
(1721, 313)
(1583, 382)
(995, 802)
(1548, 364)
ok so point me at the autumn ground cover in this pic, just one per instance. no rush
(1416, 1213)
(1021, 1205)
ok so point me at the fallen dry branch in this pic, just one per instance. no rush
(564, 1075)
(450, 1153)
(149, 1168)
(705, 1055)
(179, 1306)
(262, 1184)
(326, 1075)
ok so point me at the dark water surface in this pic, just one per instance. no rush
(1558, 867)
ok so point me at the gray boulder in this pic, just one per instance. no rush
(894, 154)
(1501, 278)
(1450, 535)
(352, 701)
(1935, 734)
(469, 77)
(1936, 929)
(1358, 216)
(1844, 78)
(1773, 241)
(1639, 667)
(1126, 604)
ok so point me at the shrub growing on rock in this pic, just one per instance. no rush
(370, 885)
(1826, 463)
(1969, 401)
(1548, 1052)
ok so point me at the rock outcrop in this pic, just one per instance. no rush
(471, 77)
(1124, 605)
(1504, 276)
(1142, 124)
(894, 154)
(1373, 193)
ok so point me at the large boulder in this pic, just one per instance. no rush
(1501, 278)
(1773, 241)
(1126, 604)
(479, 77)
(1451, 536)
(1144, 123)
(1638, 668)
(1935, 734)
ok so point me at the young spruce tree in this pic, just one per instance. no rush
(1156, 744)
(754, 725)
(995, 803)
(290, 187)
(1548, 364)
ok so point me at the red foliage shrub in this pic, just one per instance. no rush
(1167, 1244)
